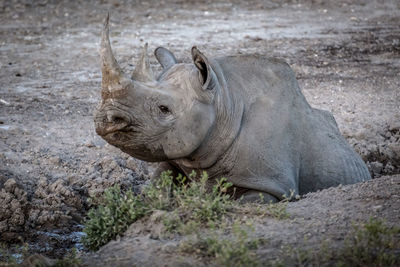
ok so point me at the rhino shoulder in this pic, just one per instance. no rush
(328, 116)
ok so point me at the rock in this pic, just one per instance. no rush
(18, 217)
(389, 168)
(377, 208)
(38, 260)
(10, 185)
(394, 126)
(3, 226)
(13, 206)
(169, 247)
(55, 204)
(376, 167)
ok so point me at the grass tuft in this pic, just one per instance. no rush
(370, 244)
(112, 217)
(217, 226)
(188, 202)
(235, 249)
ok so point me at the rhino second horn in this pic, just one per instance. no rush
(143, 72)
(111, 71)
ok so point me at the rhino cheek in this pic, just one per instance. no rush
(189, 133)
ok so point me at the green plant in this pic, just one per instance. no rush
(275, 210)
(20, 255)
(190, 205)
(190, 201)
(13, 256)
(112, 217)
(236, 249)
(278, 210)
(187, 200)
(7, 258)
(372, 244)
(304, 256)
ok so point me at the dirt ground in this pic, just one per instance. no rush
(346, 55)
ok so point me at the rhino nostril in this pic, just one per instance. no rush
(116, 118)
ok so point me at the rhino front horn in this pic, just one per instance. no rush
(110, 69)
(143, 72)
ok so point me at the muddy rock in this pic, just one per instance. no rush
(13, 208)
(376, 168)
(110, 170)
(55, 204)
(379, 147)
(38, 260)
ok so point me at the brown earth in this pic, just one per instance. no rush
(346, 55)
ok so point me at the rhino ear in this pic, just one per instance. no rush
(206, 73)
(165, 57)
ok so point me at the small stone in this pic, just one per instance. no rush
(376, 167)
(170, 247)
(55, 161)
(90, 144)
(3, 226)
(394, 126)
(18, 217)
(377, 208)
(10, 185)
(15, 204)
(131, 164)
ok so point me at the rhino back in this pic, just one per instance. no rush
(253, 76)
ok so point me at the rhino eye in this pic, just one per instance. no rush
(164, 109)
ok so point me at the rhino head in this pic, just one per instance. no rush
(156, 119)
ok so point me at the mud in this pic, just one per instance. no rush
(345, 54)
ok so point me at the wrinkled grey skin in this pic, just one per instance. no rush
(240, 117)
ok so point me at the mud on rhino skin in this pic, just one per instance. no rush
(241, 117)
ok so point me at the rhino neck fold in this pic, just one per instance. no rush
(229, 114)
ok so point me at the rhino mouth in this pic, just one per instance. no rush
(108, 130)
(112, 121)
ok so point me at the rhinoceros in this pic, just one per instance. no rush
(241, 117)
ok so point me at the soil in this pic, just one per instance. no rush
(346, 56)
